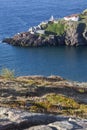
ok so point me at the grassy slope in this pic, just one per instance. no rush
(57, 28)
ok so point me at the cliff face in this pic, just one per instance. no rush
(71, 33)
(34, 40)
(76, 34)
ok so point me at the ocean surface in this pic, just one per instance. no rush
(17, 16)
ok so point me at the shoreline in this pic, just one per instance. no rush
(70, 31)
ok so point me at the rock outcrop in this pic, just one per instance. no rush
(12, 119)
(34, 40)
(52, 94)
(42, 103)
(75, 35)
(70, 33)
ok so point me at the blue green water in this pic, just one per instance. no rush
(17, 16)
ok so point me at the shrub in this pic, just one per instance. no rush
(7, 73)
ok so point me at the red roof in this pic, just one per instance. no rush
(73, 15)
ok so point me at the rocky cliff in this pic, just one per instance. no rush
(34, 40)
(70, 33)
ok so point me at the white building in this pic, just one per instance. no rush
(40, 31)
(73, 17)
(55, 21)
(51, 18)
(43, 23)
(39, 26)
(31, 30)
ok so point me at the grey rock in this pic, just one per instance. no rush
(20, 119)
(12, 119)
(62, 125)
(40, 127)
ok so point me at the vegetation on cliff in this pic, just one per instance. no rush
(51, 94)
(56, 28)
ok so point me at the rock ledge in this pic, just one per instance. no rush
(12, 119)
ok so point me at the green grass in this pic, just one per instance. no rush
(56, 103)
(82, 16)
(57, 28)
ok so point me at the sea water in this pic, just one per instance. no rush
(18, 16)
